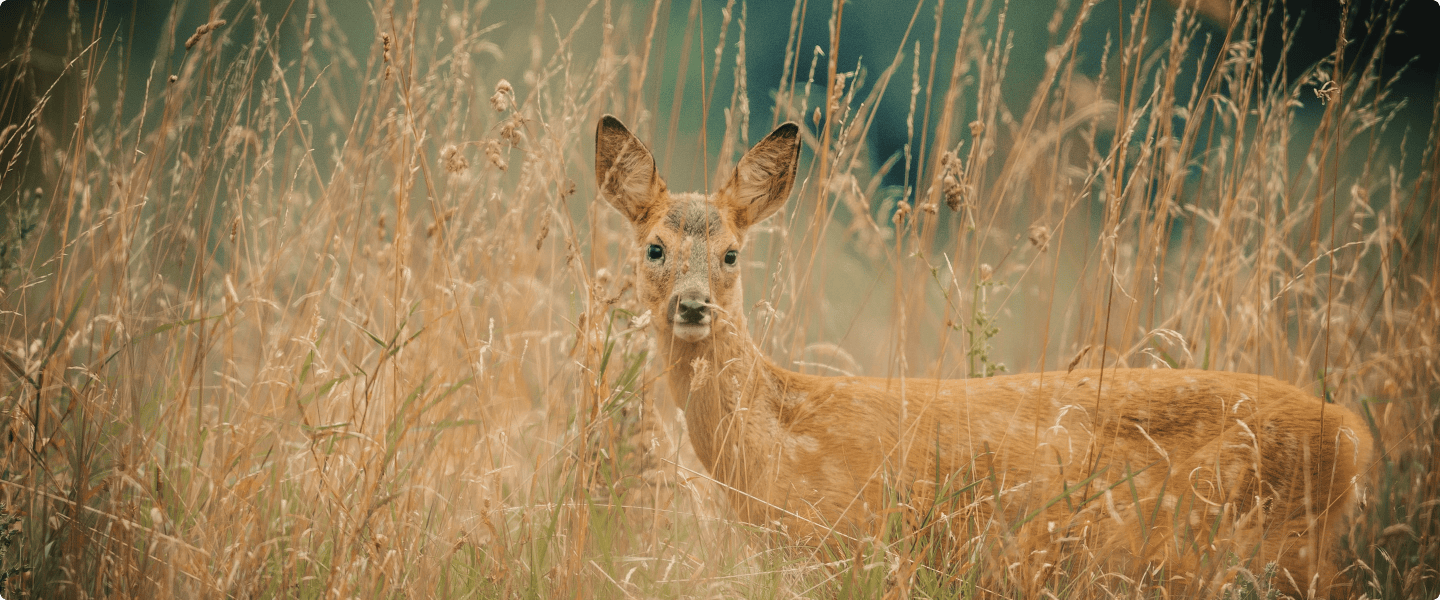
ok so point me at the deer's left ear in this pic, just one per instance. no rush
(762, 181)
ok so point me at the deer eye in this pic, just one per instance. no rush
(731, 256)
(655, 252)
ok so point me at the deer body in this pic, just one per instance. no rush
(818, 456)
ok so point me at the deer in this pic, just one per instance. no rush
(816, 457)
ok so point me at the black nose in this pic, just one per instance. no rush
(691, 311)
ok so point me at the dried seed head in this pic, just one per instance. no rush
(385, 47)
(504, 97)
(444, 218)
(701, 374)
(513, 129)
(239, 138)
(202, 31)
(902, 212)
(452, 160)
(507, 132)
(976, 128)
(492, 152)
(954, 192)
(545, 231)
(951, 181)
(986, 272)
(951, 161)
(1078, 356)
(836, 107)
(1040, 237)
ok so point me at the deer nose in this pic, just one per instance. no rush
(692, 311)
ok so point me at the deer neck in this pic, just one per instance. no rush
(729, 392)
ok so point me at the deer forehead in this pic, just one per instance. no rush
(694, 217)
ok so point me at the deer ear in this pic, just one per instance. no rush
(761, 182)
(625, 172)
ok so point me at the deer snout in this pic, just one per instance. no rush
(690, 317)
(692, 310)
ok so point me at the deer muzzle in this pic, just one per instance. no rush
(690, 316)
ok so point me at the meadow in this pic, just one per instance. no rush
(285, 312)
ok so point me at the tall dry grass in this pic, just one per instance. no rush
(306, 320)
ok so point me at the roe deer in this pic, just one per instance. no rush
(1176, 455)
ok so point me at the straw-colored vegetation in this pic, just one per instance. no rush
(306, 315)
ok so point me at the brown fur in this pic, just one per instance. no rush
(1179, 450)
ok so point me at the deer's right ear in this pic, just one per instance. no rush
(625, 172)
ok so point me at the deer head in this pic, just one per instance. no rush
(690, 243)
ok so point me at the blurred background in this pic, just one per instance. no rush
(872, 35)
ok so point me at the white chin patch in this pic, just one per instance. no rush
(691, 332)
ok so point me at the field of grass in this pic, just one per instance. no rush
(295, 314)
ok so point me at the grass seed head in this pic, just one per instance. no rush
(504, 97)
(493, 153)
(1040, 237)
(544, 229)
(202, 31)
(701, 367)
(452, 159)
(952, 185)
